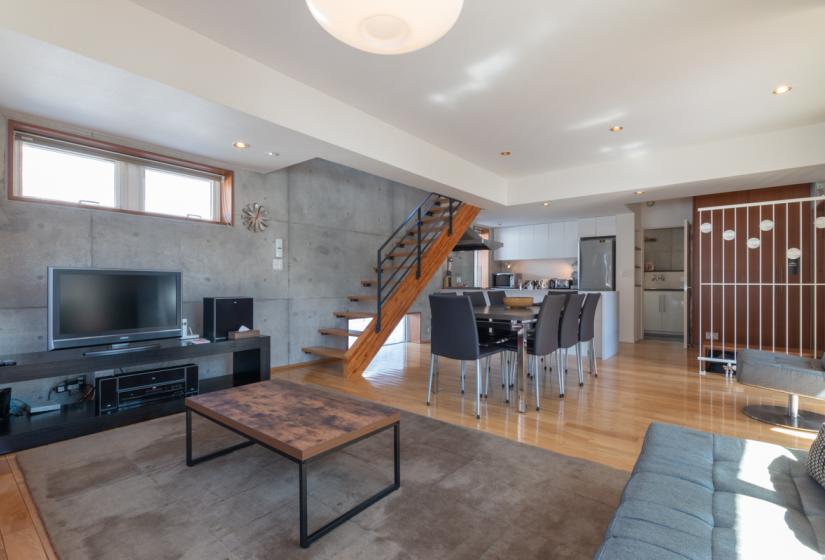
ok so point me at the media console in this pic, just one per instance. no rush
(250, 363)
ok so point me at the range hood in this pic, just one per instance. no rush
(472, 241)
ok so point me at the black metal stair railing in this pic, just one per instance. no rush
(401, 264)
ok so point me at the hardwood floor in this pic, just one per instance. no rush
(604, 421)
(22, 535)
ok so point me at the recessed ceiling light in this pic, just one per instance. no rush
(240, 145)
(637, 193)
(505, 153)
(784, 88)
(616, 128)
(274, 154)
(547, 203)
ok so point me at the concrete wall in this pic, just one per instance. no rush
(332, 219)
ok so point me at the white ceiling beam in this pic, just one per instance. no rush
(778, 150)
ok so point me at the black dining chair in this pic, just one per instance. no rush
(587, 328)
(496, 297)
(476, 298)
(454, 335)
(545, 341)
(569, 332)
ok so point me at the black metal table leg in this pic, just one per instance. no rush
(190, 461)
(302, 498)
(308, 539)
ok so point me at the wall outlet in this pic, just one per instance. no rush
(709, 335)
(279, 248)
(277, 264)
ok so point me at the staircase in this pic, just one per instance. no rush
(404, 266)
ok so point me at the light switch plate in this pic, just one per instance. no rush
(277, 264)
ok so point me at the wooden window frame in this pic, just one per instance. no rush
(226, 194)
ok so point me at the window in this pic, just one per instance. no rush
(51, 166)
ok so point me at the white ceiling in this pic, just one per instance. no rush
(546, 78)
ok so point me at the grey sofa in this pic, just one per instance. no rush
(794, 375)
(694, 495)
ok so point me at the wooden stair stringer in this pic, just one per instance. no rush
(359, 356)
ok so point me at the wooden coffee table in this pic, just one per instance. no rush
(300, 422)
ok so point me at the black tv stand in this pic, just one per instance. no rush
(116, 349)
(250, 363)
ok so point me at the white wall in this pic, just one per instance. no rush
(666, 213)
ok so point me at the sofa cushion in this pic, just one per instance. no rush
(816, 458)
(791, 374)
(699, 496)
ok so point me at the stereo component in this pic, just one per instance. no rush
(224, 314)
(130, 390)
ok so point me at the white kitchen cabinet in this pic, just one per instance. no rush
(557, 240)
(606, 225)
(674, 310)
(587, 227)
(653, 311)
(571, 239)
(664, 312)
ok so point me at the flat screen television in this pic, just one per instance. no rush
(89, 307)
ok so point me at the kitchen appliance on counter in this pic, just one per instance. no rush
(597, 264)
(506, 280)
(561, 284)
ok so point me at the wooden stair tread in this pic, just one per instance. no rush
(354, 314)
(325, 351)
(362, 297)
(425, 231)
(395, 267)
(335, 331)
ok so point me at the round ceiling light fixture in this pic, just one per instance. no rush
(820, 222)
(766, 225)
(780, 90)
(706, 227)
(639, 193)
(728, 235)
(616, 128)
(547, 203)
(240, 145)
(793, 253)
(386, 26)
(754, 243)
(505, 153)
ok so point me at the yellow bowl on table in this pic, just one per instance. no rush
(518, 302)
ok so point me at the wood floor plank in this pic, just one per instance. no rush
(24, 545)
(31, 507)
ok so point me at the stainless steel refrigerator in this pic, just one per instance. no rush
(597, 264)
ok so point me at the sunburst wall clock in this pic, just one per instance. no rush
(255, 217)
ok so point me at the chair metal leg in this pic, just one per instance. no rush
(430, 383)
(487, 378)
(462, 377)
(579, 364)
(560, 370)
(478, 389)
(536, 379)
(592, 352)
(437, 375)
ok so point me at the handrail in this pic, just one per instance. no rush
(385, 287)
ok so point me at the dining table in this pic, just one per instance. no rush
(519, 318)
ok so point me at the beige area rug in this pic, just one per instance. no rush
(127, 494)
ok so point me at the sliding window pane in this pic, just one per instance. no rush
(179, 195)
(53, 174)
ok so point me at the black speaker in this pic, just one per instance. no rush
(224, 314)
(5, 404)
